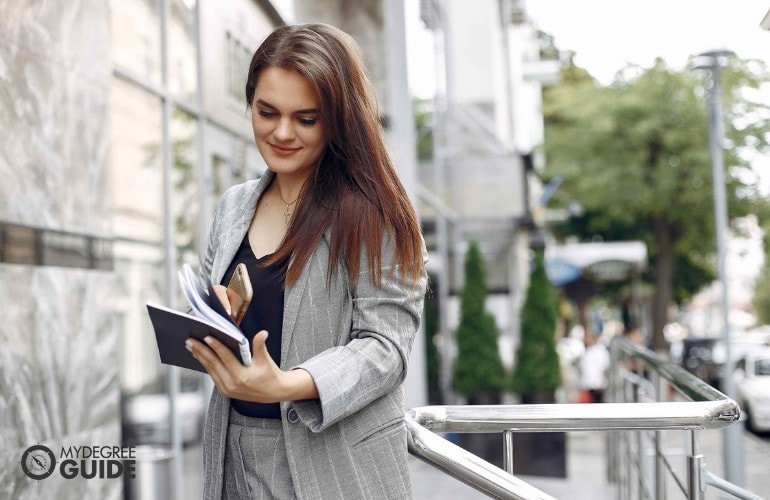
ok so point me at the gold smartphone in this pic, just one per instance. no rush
(239, 292)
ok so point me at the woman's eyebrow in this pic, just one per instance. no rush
(308, 111)
(264, 103)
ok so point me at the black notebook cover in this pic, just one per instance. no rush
(172, 328)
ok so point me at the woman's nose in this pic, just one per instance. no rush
(284, 130)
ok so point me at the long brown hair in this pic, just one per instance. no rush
(354, 190)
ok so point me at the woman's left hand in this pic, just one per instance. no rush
(262, 382)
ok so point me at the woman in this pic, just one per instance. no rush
(336, 260)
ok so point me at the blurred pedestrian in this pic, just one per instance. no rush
(594, 365)
(334, 246)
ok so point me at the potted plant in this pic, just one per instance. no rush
(537, 375)
(478, 372)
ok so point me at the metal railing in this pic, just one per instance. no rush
(629, 423)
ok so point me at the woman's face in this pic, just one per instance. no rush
(285, 115)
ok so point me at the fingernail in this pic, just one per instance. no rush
(207, 339)
(188, 345)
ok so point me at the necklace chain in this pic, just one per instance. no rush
(287, 211)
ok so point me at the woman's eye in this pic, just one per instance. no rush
(266, 114)
(308, 121)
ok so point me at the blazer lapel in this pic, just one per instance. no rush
(291, 306)
(315, 269)
(233, 235)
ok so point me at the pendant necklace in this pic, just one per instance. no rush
(287, 212)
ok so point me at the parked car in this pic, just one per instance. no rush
(706, 357)
(752, 388)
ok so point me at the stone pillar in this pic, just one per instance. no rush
(58, 361)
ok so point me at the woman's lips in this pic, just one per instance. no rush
(281, 151)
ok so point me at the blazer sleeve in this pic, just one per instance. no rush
(226, 209)
(374, 361)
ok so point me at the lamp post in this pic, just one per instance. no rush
(713, 62)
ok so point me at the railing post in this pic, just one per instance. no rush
(641, 460)
(508, 451)
(614, 397)
(696, 485)
(660, 472)
(628, 396)
(633, 472)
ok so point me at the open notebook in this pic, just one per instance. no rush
(208, 317)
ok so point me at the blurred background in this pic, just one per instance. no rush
(567, 136)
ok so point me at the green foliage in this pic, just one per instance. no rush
(478, 369)
(537, 367)
(431, 324)
(423, 118)
(761, 300)
(635, 155)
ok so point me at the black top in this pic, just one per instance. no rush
(265, 312)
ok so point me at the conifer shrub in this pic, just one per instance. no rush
(537, 369)
(478, 370)
(432, 358)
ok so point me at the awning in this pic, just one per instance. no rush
(605, 262)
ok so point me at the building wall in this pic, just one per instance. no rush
(477, 56)
(58, 375)
(361, 19)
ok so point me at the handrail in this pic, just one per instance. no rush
(683, 381)
(729, 487)
(578, 417)
(707, 408)
(467, 467)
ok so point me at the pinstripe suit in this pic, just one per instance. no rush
(351, 442)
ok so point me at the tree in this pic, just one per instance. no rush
(635, 155)
(478, 371)
(537, 370)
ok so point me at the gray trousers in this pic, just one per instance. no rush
(256, 466)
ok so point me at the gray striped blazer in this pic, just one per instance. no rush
(351, 442)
